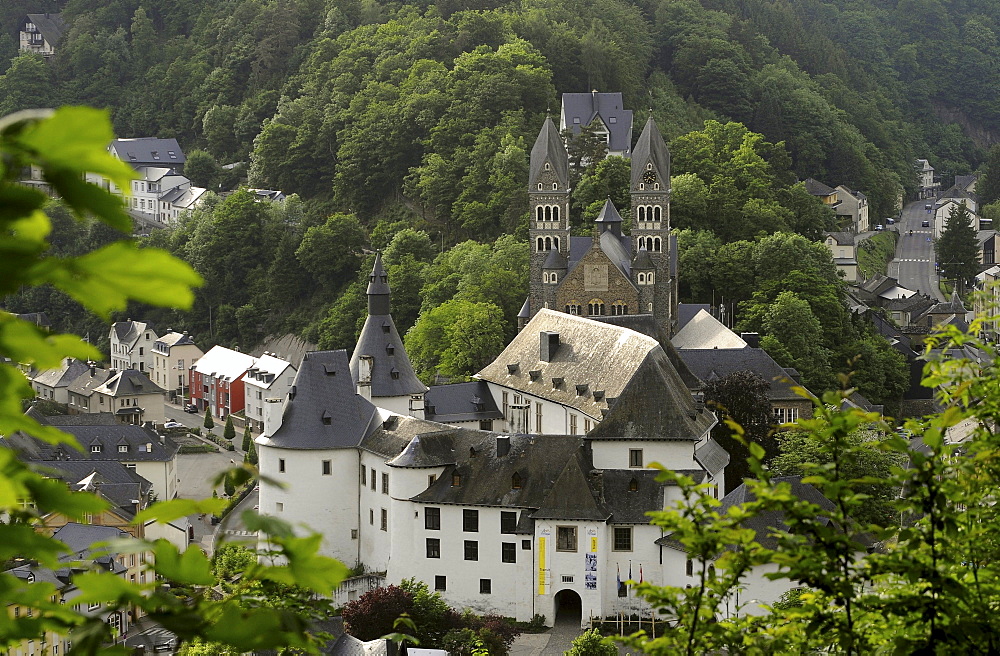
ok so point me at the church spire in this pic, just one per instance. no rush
(378, 288)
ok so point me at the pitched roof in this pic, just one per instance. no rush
(711, 456)
(88, 381)
(324, 410)
(83, 537)
(128, 332)
(140, 444)
(266, 370)
(817, 188)
(841, 238)
(570, 496)
(548, 147)
(62, 376)
(85, 419)
(173, 338)
(391, 372)
(706, 332)
(650, 147)
(51, 26)
(148, 151)
(649, 326)
(712, 364)
(580, 109)
(608, 214)
(224, 363)
(130, 382)
(688, 311)
(628, 494)
(113, 480)
(460, 402)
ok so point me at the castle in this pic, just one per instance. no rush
(611, 273)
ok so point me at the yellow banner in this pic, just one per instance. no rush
(541, 566)
(593, 544)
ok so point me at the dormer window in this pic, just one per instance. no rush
(515, 481)
(95, 448)
(390, 349)
(395, 374)
(456, 480)
(385, 327)
(327, 419)
(123, 448)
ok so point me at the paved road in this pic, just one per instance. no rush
(913, 265)
(174, 413)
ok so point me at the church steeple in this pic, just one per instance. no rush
(548, 199)
(378, 288)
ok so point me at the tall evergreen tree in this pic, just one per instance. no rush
(229, 432)
(209, 422)
(958, 247)
(246, 438)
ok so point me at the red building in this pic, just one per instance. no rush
(217, 381)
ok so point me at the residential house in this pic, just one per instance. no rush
(713, 364)
(217, 381)
(160, 194)
(379, 365)
(53, 384)
(949, 203)
(988, 303)
(40, 319)
(852, 211)
(148, 151)
(269, 377)
(139, 448)
(925, 179)
(465, 405)
(132, 345)
(967, 182)
(87, 550)
(842, 247)
(81, 391)
(129, 395)
(179, 200)
(40, 33)
(952, 311)
(826, 194)
(505, 522)
(273, 195)
(173, 354)
(605, 112)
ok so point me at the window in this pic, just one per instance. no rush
(595, 308)
(385, 520)
(431, 479)
(123, 448)
(433, 548)
(281, 465)
(619, 308)
(538, 417)
(689, 567)
(470, 521)
(371, 517)
(572, 424)
(486, 424)
(525, 545)
(786, 415)
(623, 538)
(279, 506)
(385, 483)
(515, 481)
(565, 538)
(586, 426)
(95, 448)
(440, 583)
(508, 552)
(635, 457)
(485, 586)
(432, 519)
(364, 475)
(471, 550)
(508, 522)
(373, 479)
(456, 480)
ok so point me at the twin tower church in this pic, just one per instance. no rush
(610, 273)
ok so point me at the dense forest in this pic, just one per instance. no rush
(406, 126)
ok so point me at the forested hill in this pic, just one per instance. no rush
(390, 115)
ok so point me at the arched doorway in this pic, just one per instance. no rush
(568, 607)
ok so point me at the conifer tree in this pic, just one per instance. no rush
(958, 247)
(229, 432)
(209, 422)
(246, 438)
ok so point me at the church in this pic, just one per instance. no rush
(609, 273)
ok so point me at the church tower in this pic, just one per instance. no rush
(548, 201)
(650, 192)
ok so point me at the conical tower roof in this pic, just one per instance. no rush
(549, 148)
(651, 148)
(609, 213)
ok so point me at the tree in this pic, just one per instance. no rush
(229, 432)
(209, 423)
(66, 144)
(251, 454)
(246, 439)
(742, 396)
(229, 486)
(455, 339)
(957, 248)
(988, 186)
(202, 169)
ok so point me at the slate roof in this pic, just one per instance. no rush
(705, 332)
(711, 456)
(817, 188)
(82, 538)
(135, 439)
(348, 645)
(266, 370)
(148, 151)
(712, 364)
(597, 354)
(967, 182)
(687, 311)
(324, 410)
(608, 214)
(460, 402)
(128, 332)
(649, 326)
(62, 376)
(548, 147)
(627, 505)
(767, 524)
(609, 107)
(51, 26)
(650, 147)
(391, 371)
(85, 419)
(130, 382)
(87, 382)
(643, 260)
(111, 479)
(555, 260)
(223, 363)
(40, 319)
(841, 238)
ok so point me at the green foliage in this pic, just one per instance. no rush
(455, 339)
(875, 253)
(229, 432)
(209, 423)
(202, 169)
(592, 643)
(741, 397)
(247, 440)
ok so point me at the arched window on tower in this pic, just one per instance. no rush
(556, 241)
(553, 278)
(655, 244)
(641, 278)
(548, 243)
(539, 213)
(555, 185)
(548, 167)
(555, 213)
(642, 212)
(619, 309)
(539, 186)
(656, 213)
(540, 245)
(548, 212)
(573, 307)
(642, 243)
(595, 308)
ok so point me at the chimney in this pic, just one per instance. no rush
(503, 445)
(548, 344)
(752, 339)
(149, 447)
(273, 409)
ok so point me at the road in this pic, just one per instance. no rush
(913, 265)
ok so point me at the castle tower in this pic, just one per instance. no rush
(548, 202)
(650, 191)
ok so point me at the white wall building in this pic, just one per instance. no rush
(173, 354)
(132, 345)
(270, 377)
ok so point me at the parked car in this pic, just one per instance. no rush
(173, 424)
(880, 227)
(927, 206)
(191, 408)
(925, 224)
(890, 220)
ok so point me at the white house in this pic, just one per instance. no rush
(944, 207)
(925, 179)
(53, 384)
(853, 207)
(842, 247)
(269, 377)
(132, 345)
(40, 33)
(518, 522)
(129, 395)
(173, 354)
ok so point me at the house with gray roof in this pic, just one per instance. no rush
(174, 353)
(149, 151)
(53, 384)
(40, 33)
(131, 345)
(842, 247)
(605, 113)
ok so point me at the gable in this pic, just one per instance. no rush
(595, 277)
